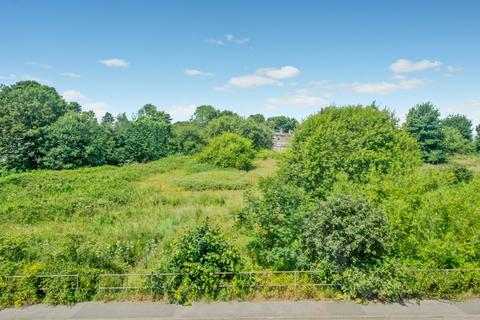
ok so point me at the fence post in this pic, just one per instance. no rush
(295, 281)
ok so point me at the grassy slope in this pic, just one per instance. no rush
(143, 206)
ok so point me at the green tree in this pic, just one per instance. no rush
(345, 231)
(228, 150)
(282, 123)
(150, 111)
(354, 141)
(146, 140)
(187, 138)
(26, 109)
(423, 123)
(461, 123)
(455, 143)
(276, 215)
(477, 138)
(75, 140)
(197, 257)
(204, 114)
(258, 117)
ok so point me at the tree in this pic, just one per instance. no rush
(423, 123)
(477, 138)
(455, 143)
(345, 231)
(353, 141)
(204, 114)
(461, 123)
(146, 139)
(282, 123)
(228, 150)
(187, 138)
(73, 141)
(150, 111)
(276, 215)
(258, 118)
(26, 109)
(260, 135)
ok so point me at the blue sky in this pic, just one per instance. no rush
(270, 57)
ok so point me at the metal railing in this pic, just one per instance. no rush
(256, 279)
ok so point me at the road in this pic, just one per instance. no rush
(284, 310)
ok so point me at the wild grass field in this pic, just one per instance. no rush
(126, 214)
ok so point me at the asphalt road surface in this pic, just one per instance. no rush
(250, 310)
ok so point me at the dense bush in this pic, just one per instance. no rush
(276, 218)
(198, 256)
(228, 150)
(353, 140)
(345, 231)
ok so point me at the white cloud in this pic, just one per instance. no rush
(454, 69)
(228, 38)
(10, 76)
(38, 64)
(100, 108)
(216, 42)
(470, 108)
(196, 72)
(388, 87)
(182, 112)
(281, 73)
(403, 65)
(115, 63)
(251, 80)
(70, 75)
(73, 95)
(298, 101)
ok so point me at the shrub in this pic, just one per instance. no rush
(275, 219)
(345, 231)
(228, 150)
(352, 140)
(198, 256)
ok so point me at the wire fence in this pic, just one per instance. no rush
(255, 279)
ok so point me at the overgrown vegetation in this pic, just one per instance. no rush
(351, 200)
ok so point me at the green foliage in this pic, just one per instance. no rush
(198, 255)
(258, 117)
(352, 140)
(282, 123)
(226, 179)
(187, 138)
(74, 140)
(455, 143)
(26, 109)
(345, 231)
(461, 123)
(477, 138)
(276, 217)
(204, 114)
(150, 111)
(146, 140)
(423, 123)
(228, 150)
(259, 133)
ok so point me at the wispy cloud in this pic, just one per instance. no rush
(33, 78)
(99, 107)
(73, 95)
(228, 38)
(454, 69)
(261, 77)
(11, 77)
(470, 108)
(115, 63)
(404, 66)
(196, 72)
(38, 64)
(182, 112)
(70, 75)
(280, 73)
(297, 101)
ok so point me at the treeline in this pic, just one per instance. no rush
(39, 130)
